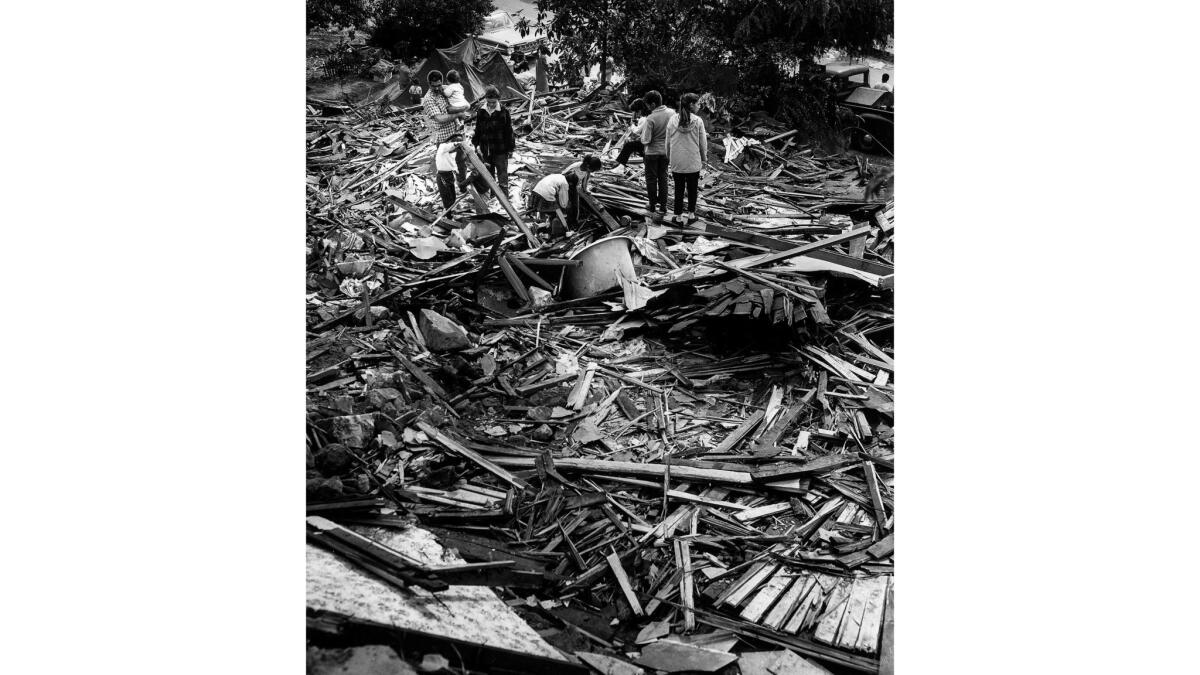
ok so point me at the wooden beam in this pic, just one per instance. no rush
(458, 448)
(884, 547)
(887, 659)
(738, 434)
(602, 467)
(513, 279)
(765, 282)
(533, 276)
(503, 198)
(623, 581)
(873, 490)
(819, 465)
(590, 201)
(687, 590)
(756, 261)
(776, 244)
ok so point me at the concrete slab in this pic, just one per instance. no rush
(471, 613)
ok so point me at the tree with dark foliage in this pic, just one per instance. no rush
(739, 49)
(341, 13)
(416, 27)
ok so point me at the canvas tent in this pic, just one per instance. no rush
(478, 64)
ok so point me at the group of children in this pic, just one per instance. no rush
(669, 141)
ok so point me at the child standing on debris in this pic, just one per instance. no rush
(493, 138)
(687, 150)
(448, 160)
(634, 144)
(456, 100)
(448, 169)
(654, 138)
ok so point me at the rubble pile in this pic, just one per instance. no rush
(665, 444)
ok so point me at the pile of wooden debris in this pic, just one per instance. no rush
(665, 445)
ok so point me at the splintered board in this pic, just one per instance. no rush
(843, 612)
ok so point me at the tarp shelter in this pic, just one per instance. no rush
(477, 63)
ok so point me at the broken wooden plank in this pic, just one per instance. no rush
(590, 201)
(883, 547)
(887, 662)
(759, 261)
(872, 623)
(835, 610)
(749, 583)
(687, 591)
(856, 606)
(601, 467)
(782, 611)
(873, 490)
(822, 464)
(614, 563)
(753, 514)
(583, 386)
(768, 595)
(738, 434)
(458, 448)
(533, 276)
(513, 280)
(486, 174)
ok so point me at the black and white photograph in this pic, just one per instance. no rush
(599, 352)
(573, 328)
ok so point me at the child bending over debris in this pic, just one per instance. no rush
(552, 194)
(455, 98)
(584, 169)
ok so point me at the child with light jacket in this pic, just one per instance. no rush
(687, 151)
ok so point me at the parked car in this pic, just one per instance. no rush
(873, 109)
(500, 30)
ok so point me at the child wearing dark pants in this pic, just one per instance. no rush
(654, 140)
(634, 144)
(687, 151)
(690, 181)
(656, 183)
(553, 192)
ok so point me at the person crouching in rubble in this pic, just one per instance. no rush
(493, 138)
(553, 194)
(687, 150)
(583, 170)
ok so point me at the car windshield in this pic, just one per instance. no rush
(496, 22)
